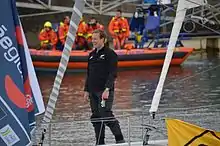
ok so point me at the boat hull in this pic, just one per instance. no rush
(45, 59)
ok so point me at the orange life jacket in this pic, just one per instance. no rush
(82, 29)
(118, 25)
(63, 30)
(114, 26)
(124, 27)
(48, 37)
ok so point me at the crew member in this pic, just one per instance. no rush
(119, 30)
(48, 38)
(63, 29)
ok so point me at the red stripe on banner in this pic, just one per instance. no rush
(19, 36)
(14, 93)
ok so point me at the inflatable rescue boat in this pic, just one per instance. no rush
(49, 60)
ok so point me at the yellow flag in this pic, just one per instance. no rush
(184, 134)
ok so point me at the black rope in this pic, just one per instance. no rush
(42, 137)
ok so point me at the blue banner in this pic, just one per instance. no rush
(17, 102)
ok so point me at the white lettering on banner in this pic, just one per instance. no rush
(29, 101)
(12, 53)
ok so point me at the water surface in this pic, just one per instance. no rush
(191, 93)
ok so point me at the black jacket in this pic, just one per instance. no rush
(102, 70)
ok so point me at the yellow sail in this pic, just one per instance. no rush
(185, 134)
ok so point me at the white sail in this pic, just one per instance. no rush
(33, 78)
(183, 5)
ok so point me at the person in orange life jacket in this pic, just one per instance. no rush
(80, 41)
(91, 26)
(48, 38)
(99, 88)
(63, 29)
(119, 30)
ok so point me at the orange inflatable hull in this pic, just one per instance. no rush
(44, 59)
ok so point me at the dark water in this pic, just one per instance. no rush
(191, 93)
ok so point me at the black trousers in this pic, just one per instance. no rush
(103, 116)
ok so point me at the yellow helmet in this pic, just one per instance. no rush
(48, 24)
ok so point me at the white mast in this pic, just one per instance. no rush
(74, 22)
(183, 5)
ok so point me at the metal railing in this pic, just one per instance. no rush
(80, 133)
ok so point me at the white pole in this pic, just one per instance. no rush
(183, 5)
(74, 22)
